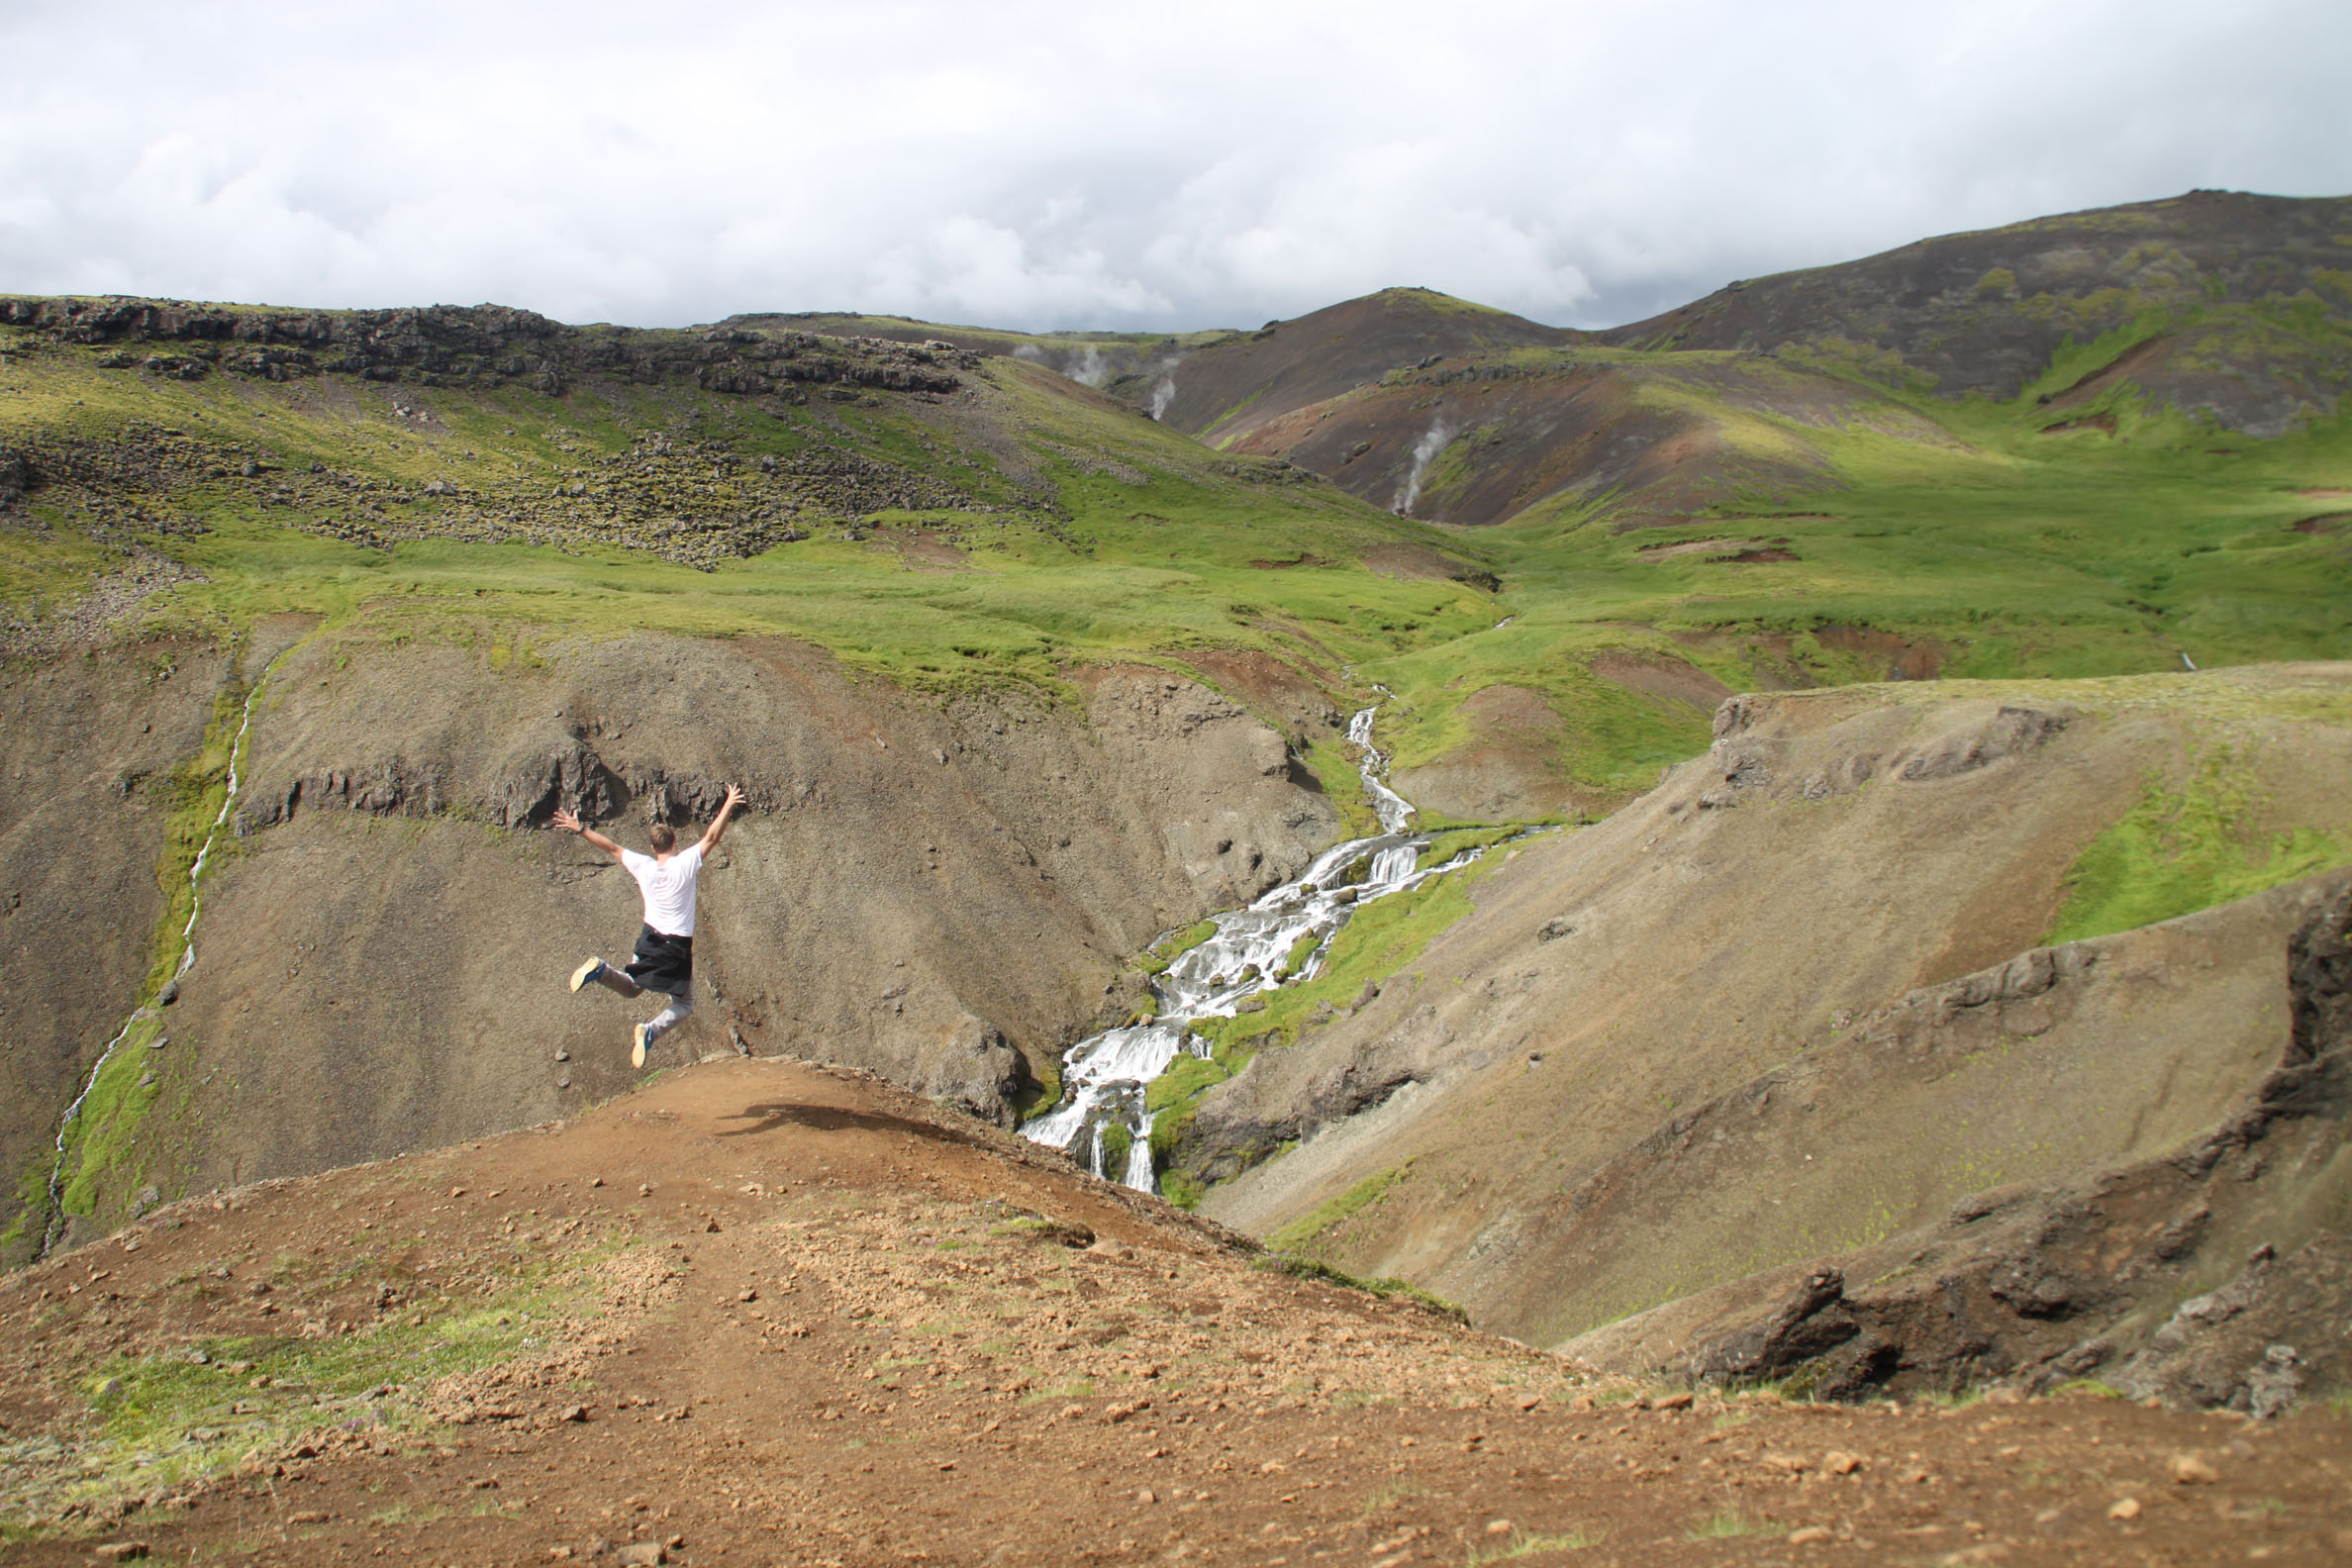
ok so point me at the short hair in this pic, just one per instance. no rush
(663, 840)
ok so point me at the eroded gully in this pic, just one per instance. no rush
(56, 1221)
(1106, 1078)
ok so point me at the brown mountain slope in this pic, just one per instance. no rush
(1985, 311)
(1741, 1023)
(760, 1313)
(1224, 391)
(1492, 438)
(943, 893)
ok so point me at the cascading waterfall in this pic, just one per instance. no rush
(56, 1181)
(1105, 1078)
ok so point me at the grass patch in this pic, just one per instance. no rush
(1447, 845)
(1379, 939)
(1182, 1188)
(1522, 1543)
(1730, 1524)
(1044, 1089)
(98, 1158)
(1160, 954)
(1364, 1194)
(1385, 1288)
(164, 1419)
(2177, 851)
(1296, 958)
(1080, 1388)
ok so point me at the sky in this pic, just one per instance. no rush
(1043, 164)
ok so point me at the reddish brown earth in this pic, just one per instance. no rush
(787, 1314)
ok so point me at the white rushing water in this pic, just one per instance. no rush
(56, 1181)
(1105, 1079)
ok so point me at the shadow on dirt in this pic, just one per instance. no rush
(833, 1118)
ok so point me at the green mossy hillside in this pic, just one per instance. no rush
(2182, 850)
(1019, 525)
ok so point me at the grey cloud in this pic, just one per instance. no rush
(1062, 164)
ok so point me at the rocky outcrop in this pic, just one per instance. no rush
(1233, 1132)
(2102, 1275)
(699, 502)
(470, 345)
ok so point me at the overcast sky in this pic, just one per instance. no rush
(1050, 165)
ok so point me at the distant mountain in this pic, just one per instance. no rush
(2232, 311)
(2258, 290)
(1228, 389)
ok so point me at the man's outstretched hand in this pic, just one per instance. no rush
(569, 822)
(710, 839)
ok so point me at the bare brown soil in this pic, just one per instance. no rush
(1505, 771)
(1668, 679)
(1906, 660)
(821, 1330)
(1413, 563)
(923, 549)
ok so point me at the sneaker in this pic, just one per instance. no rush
(636, 1046)
(586, 972)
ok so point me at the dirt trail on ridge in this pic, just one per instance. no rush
(781, 1314)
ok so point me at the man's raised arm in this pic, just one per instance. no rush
(570, 821)
(710, 839)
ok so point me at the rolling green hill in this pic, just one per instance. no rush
(1795, 482)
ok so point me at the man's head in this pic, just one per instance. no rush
(664, 840)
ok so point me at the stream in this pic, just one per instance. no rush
(1104, 1078)
(56, 1181)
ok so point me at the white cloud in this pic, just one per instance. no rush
(1053, 163)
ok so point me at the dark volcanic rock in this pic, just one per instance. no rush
(480, 342)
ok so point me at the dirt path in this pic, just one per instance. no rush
(760, 1313)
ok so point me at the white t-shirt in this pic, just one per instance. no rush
(668, 887)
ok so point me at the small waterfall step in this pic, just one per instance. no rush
(1106, 1078)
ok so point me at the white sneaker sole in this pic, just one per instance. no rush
(637, 1046)
(582, 975)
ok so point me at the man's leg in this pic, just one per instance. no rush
(596, 970)
(680, 1008)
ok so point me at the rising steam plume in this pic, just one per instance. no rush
(1425, 451)
(1162, 394)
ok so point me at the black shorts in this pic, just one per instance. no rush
(664, 962)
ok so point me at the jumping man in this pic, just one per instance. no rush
(664, 957)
